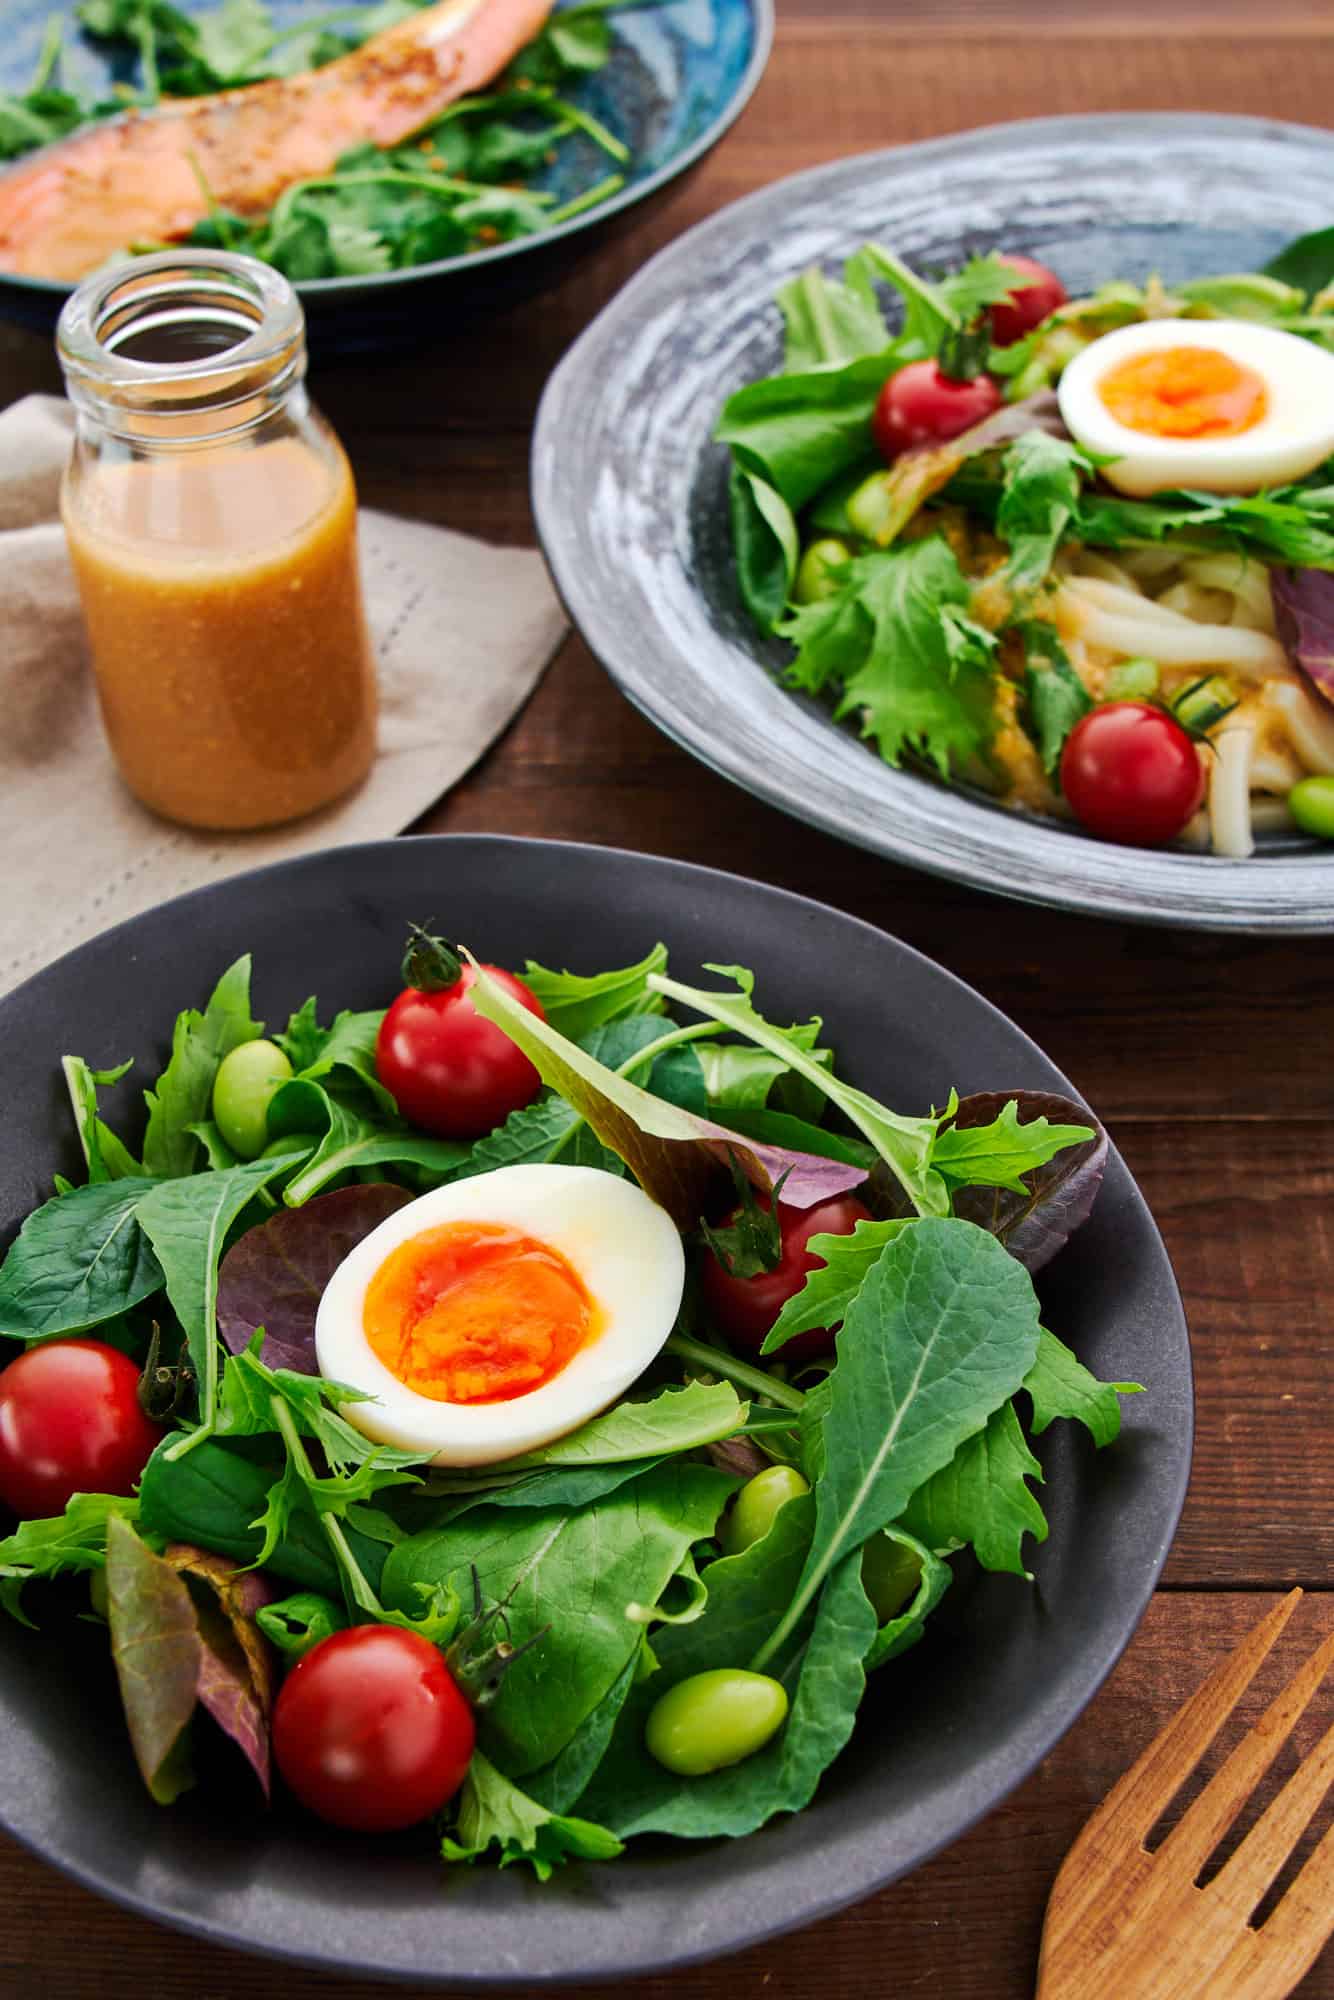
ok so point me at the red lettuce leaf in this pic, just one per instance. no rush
(183, 1634)
(236, 1673)
(1060, 1197)
(1304, 615)
(275, 1276)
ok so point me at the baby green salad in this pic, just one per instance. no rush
(531, 1412)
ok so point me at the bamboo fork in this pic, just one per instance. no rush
(1124, 1924)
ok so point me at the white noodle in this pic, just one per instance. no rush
(1248, 582)
(1230, 788)
(1274, 770)
(1128, 623)
(1308, 724)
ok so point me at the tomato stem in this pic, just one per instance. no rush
(429, 964)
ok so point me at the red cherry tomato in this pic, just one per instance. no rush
(370, 1729)
(746, 1308)
(70, 1422)
(919, 405)
(1131, 773)
(1037, 292)
(451, 1071)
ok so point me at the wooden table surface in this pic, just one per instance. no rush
(1209, 1058)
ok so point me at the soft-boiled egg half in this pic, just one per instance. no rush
(1222, 406)
(500, 1312)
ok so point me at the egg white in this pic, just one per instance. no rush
(627, 1253)
(1295, 434)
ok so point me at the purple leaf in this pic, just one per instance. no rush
(810, 1177)
(1060, 1196)
(235, 1673)
(1304, 615)
(275, 1276)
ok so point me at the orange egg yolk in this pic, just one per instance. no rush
(1184, 392)
(476, 1312)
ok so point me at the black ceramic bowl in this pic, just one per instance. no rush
(944, 1733)
(630, 491)
(680, 74)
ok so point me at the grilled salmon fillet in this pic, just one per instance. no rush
(65, 209)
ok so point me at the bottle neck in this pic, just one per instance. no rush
(182, 349)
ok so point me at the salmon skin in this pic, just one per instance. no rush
(142, 177)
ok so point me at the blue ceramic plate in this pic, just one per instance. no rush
(944, 1733)
(680, 73)
(630, 492)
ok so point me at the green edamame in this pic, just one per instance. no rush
(753, 1510)
(1311, 803)
(814, 580)
(714, 1719)
(242, 1089)
(891, 1572)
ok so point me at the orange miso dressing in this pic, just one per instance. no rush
(223, 608)
(477, 1312)
(1185, 392)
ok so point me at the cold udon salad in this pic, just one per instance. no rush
(1077, 553)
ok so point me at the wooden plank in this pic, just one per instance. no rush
(965, 1925)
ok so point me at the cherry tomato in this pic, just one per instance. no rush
(70, 1422)
(1131, 773)
(370, 1729)
(746, 1308)
(1037, 293)
(919, 405)
(451, 1071)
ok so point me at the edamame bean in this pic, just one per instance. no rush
(891, 1572)
(242, 1089)
(813, 580)
(714, 1719)
(1311, 803)
(753, 1510)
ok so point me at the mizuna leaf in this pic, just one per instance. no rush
(1057, 1197)
(942, 1332)
(74, 1540)
(675, 1155)
(1061, 1386)
(982, 1496)
(493, 1812)
(575, 1003)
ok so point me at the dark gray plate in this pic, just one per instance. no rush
(679, 75)
(945, 1732)
(630, 493)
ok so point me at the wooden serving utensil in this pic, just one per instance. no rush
(1126, 1924)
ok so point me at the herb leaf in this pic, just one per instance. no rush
(181, 1096)
(492, 1812)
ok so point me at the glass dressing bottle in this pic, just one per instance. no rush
(211, 520)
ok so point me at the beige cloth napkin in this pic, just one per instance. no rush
(462, 632)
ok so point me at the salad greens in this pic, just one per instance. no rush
(915, 597)
(265, 1520)
(461, 183)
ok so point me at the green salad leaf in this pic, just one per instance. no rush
(766, 544)
(1057, 698)
(181, 1097)
(908, 661)
(79, 1260)
(697, 1413)
(982, 1497)
(571, 1572)
(1041, 482)
(576, 1003)
(799, 431)
(1059, 1385)
(74, 1540)
(828, 323)
(941, 1333)
(494, 1813)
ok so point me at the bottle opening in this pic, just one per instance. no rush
(182, 330)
